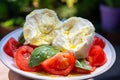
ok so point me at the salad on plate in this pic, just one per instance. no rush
(48, 45)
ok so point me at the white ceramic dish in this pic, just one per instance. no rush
(9, 62)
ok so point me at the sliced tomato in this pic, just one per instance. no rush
(60, 64)
(96, 56)
(22, 57)
(98, 41)
(10, 47)
(83, 71)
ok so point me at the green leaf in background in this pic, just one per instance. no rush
(8, 23)
(19, 21)
(13, 22)
(82, 63)
(42, 53)
(3, 10)
(65, 12)
(112, 3)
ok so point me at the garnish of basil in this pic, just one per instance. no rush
(21, 38)
(41, 53)
(82, 63)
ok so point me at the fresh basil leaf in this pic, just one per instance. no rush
(41, 53)
(21, 38)
(82, 63)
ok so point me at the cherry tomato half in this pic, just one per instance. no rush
(10, 47)
(22, 57)
(98, 41)
(60, 64)
(96, 56)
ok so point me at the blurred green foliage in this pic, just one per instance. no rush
(112, 3)
(13, 12)
(13, 22)
(65, 12)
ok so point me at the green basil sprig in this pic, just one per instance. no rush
(41, 53)
(82, 63)
(21, 38)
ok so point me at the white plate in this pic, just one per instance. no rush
(9, 62)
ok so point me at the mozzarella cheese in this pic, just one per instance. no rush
(76, 35)
(40, 27)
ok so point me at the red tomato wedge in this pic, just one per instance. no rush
(60, 64)
(22, 57)
(96, 56)
(83, 71)
(10, 47)
(98, 41)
